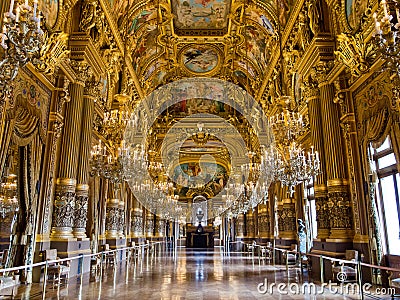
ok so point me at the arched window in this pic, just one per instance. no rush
(388, 190)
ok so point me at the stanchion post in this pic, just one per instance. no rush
(321, 266)
(359, 279)
(46, 266)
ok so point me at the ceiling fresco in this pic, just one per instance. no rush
(195, 16)
(169, 40)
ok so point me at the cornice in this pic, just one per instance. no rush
(82, 48)
(321, 49)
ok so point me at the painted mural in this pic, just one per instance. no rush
(200, 59)
(198, 106)
(200, 14)
(354, 11)
(284, 8)
(257, 15)
(257, 46)
(192, 174)
(142, 18)
(49, 9)
(146, 47)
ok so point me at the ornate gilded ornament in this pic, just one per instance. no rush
(355, 53)
(53, 52)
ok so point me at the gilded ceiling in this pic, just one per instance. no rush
(227, 39)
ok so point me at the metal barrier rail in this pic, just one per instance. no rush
(102, 254)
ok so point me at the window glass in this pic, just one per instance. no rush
(384, 146)
(391, 214)
(386, 161)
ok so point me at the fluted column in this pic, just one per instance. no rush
(112, 218)
(312, 94)
(137, 220)
(82, 188)
(340, 211)
(64, 200)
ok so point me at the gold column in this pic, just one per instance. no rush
(160, 227)
(312, 94)
(137, 219)
(240, 225)
(340, 211)
(149, 228)
(287, 219)
(64, 200)
(112, 218)
(121, 220)
(250, 226)
(82, 188)
(264, 221)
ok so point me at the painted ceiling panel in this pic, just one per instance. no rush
(197, 16)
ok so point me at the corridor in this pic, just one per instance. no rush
(186, 274)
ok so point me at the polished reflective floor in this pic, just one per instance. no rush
(187, 274)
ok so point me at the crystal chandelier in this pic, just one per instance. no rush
(386, 33)
(21, 39)
(287, 159)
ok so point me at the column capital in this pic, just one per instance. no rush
(82, 71)
(321, 72)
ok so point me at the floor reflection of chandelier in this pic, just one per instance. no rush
(287, 159)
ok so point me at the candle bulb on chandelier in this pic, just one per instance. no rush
(17, 15)
(11, 6)
(383, 3)
(35, 3)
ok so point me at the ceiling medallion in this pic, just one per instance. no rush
(200, 59)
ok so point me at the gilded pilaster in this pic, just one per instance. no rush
(340, 210)
(112, 218)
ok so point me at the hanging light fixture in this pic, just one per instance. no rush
(21, 38)
(386, 39)
(287, 159)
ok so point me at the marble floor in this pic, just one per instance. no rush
(186, 274)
